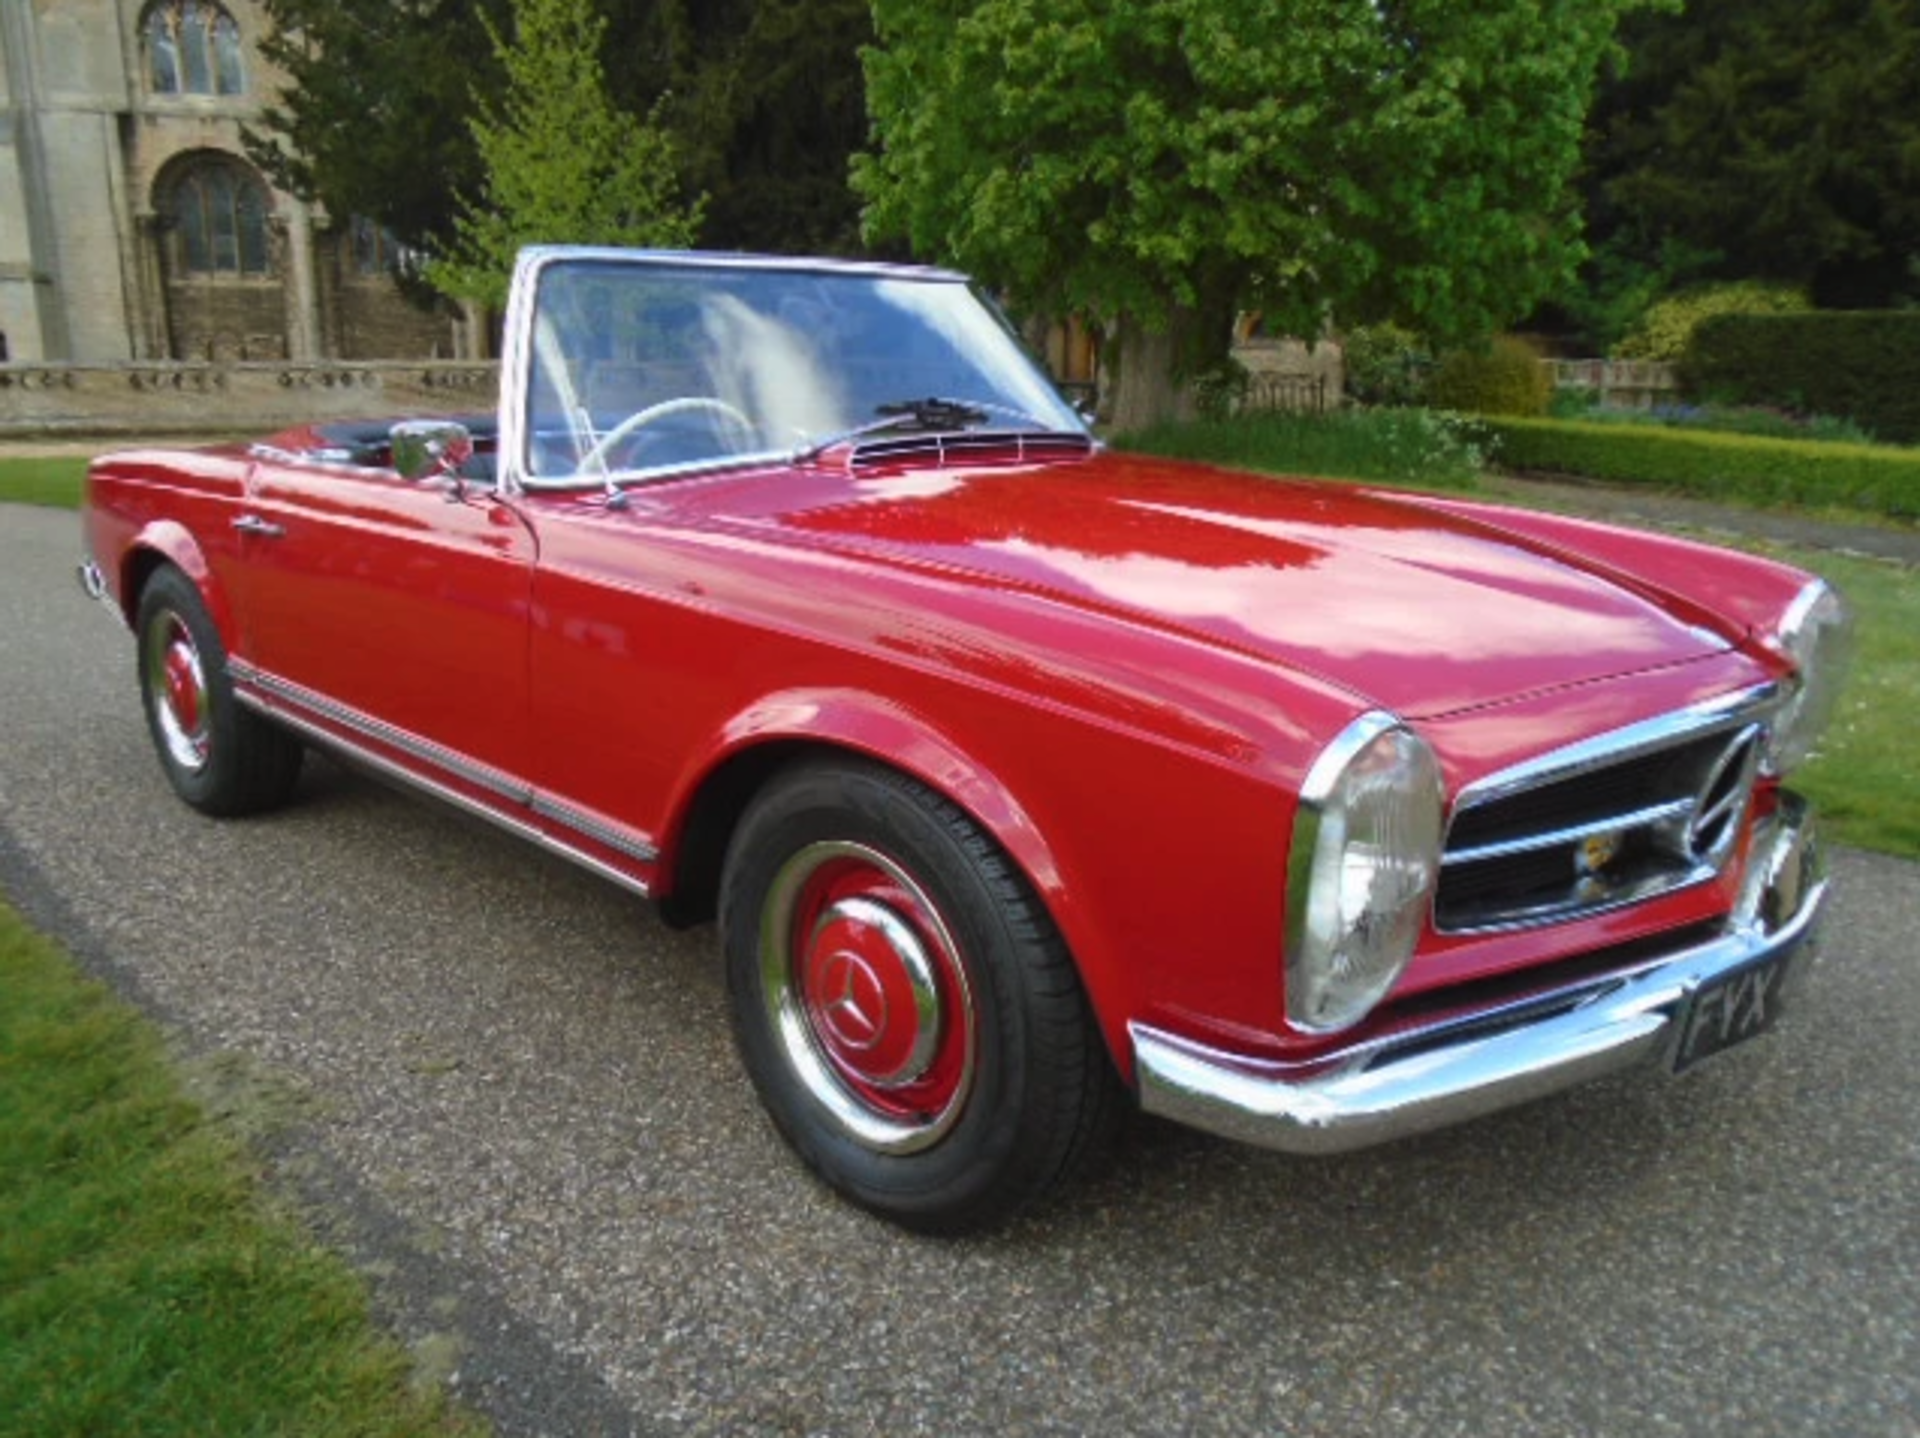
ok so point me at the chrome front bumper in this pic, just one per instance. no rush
(1437, 1075)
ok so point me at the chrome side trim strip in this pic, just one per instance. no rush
(519, 828)
(271, 695)
(615, 837)
(1465, 1066)
(277, 691)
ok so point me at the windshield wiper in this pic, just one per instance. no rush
(934, 413)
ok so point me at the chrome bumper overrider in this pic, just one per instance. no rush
(1430, 1077)
(93, 581)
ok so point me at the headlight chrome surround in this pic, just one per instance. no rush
(1816, 637)
(1361, 871)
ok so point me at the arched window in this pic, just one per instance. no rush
(376, 250)
(219, 212)
(193, 48)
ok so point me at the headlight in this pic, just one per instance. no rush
(1816, 636)
(1366, 854)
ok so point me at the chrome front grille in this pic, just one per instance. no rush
(1618, 820)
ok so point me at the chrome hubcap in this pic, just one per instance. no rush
(178, 683)
(867, 995)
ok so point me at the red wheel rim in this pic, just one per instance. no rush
(868, 995)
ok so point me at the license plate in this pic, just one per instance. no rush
(1732, 1009)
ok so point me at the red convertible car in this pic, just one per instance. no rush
(1025, 779)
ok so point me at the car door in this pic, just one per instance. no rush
(390, 612)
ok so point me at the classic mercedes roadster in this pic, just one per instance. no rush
(1026, 780)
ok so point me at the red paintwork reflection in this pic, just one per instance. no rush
(1421, 613)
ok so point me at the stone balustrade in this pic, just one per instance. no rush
(241, 398)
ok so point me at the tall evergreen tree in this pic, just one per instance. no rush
(561, 164)
(373, 119)
(768, 104)
(764, 100)
(1770, 139)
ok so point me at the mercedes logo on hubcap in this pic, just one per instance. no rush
(853, 1003)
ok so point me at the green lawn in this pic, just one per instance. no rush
(1866, 782)
(145, 1287)
(42, 481)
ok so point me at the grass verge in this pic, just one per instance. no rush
(51, 480)
(1864, 782)
(144, 1285)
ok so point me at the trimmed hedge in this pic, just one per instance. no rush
(1864, 365)
(1740, 467)
(1663, 332)
(1505, 378)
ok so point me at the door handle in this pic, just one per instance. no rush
(254, 524)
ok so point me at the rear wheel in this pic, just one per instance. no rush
(220, 758)
(912, 1021)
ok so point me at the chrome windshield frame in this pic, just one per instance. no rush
(519, 343)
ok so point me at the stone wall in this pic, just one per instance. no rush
(1620, 384)
(226, 319)
(371, 321)
(1290, 374)
(232, 398)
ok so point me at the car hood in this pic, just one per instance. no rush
(1421, 612)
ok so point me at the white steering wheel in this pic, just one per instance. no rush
(596, 458)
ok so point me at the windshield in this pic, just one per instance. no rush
(639, 365)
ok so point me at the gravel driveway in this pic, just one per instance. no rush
(508, 1092)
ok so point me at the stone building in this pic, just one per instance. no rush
(132, 224)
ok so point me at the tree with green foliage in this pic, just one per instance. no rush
(562, 164)
(767, 105)
(1157, 163)
(373, 118)
(764, 100)
(1764, 139)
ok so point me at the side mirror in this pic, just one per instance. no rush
(429, 448)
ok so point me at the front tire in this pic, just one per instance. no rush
(912, 1021)
(219, 757)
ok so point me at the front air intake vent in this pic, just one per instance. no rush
(977, 447)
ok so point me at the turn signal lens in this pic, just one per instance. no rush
(1361, 874)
